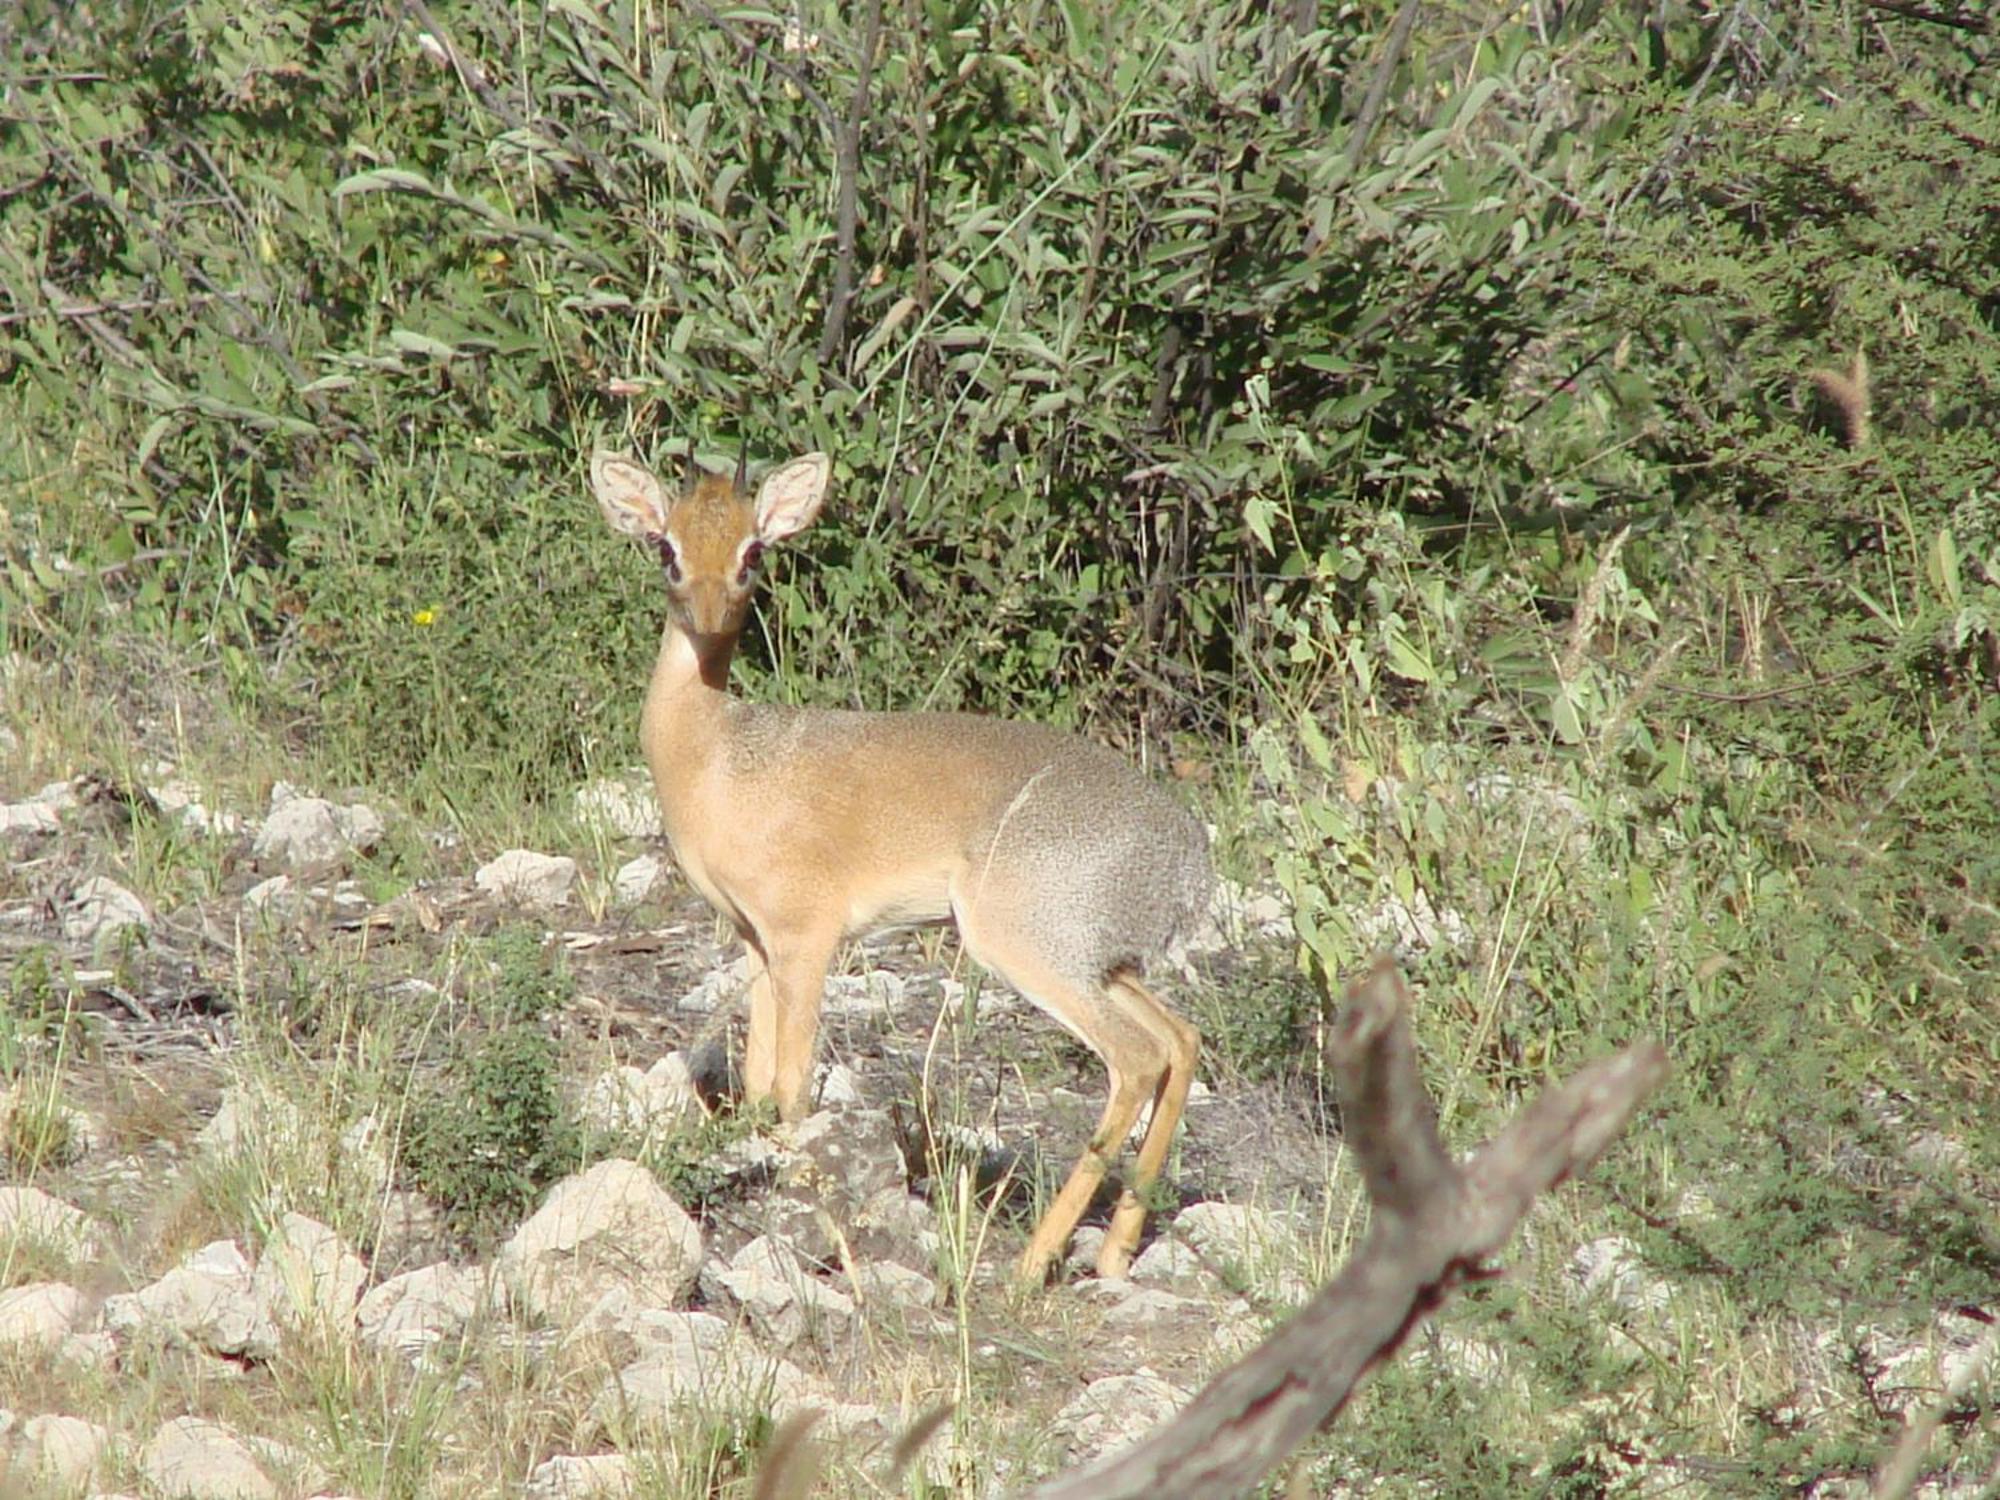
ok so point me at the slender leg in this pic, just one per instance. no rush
(1183, 1046)
(798, 987)
(1047, 1242)
(760, 1051)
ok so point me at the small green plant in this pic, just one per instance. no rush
(686, 1160)
(495, 1129)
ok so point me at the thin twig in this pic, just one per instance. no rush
(847, 157)
(1378, 87)
(1916, 12)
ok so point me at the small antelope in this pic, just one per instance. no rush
(1064, 868)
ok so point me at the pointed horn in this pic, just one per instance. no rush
(743, 461)
(691, 471)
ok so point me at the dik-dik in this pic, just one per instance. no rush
(1064, 868)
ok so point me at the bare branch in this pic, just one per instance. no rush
(1976, 24)
(1378, 87)
(847, 154)
(1435, 1226)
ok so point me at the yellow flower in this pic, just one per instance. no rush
(424, 617)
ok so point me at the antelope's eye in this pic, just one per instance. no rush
(670, 562)
(753, 558)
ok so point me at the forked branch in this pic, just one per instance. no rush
(1436, 1224)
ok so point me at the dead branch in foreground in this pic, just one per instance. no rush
(1435, 1225)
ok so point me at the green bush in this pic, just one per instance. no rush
(493, 1129)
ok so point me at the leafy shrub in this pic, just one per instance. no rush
(494, 1130)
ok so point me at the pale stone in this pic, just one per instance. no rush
(33, 816)
(636, 880)
(612, 1225)
(625, 1101)
(1130, 1305)
(304, 831)
(1237, 1234)
(420, 1308)
(696, 1362)
(278, 889)
(59, 1452)
(592, 1476)
(718, 989)
(30, 1214)
(876, 994)
(100, 909)
(784, 1301)
(624, 805)
(885, 1281)
(307, 1279)
(251, 1119)
(528, 878)
(1115, 1412)
(840, 1088)
(181, 799)
(40, 1314)
(192, 1459)
(205, 1301)
(1611, 1267)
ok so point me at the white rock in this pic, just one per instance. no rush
(610, 1226)
(571, 1476)
(1166, 1261)
(61, 1134)
(719, 988)
(528, 878)
(1611, 1267)
(624, 805)
(1130, 1305)
(886, 1281)
(313, 831)
(785, 1302)
(101, 908)
(695, 1362)
(307, 1280)
(40, 1314)
(1413, 927)
(636, 880)
(32, 1215)
(181, 799)
(255, 1121)
(624, 1101)
(1238, 1234)
(840, 1088)
(420, 1308)
(58, 1452)
(1115, 1412)
(39, 814)
(192, 1459)
(860, 996)
(278, 889)
(204, 1302)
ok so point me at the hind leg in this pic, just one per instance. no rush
(1183, 1046)
(1129, 1040)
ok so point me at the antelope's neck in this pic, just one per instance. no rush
(682, 725)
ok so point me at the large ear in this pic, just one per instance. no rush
(629, 495)
(790, 496)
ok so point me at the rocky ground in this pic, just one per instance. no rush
(838, 1265)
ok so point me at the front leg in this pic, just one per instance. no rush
(760, 1052)
(796, 982)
